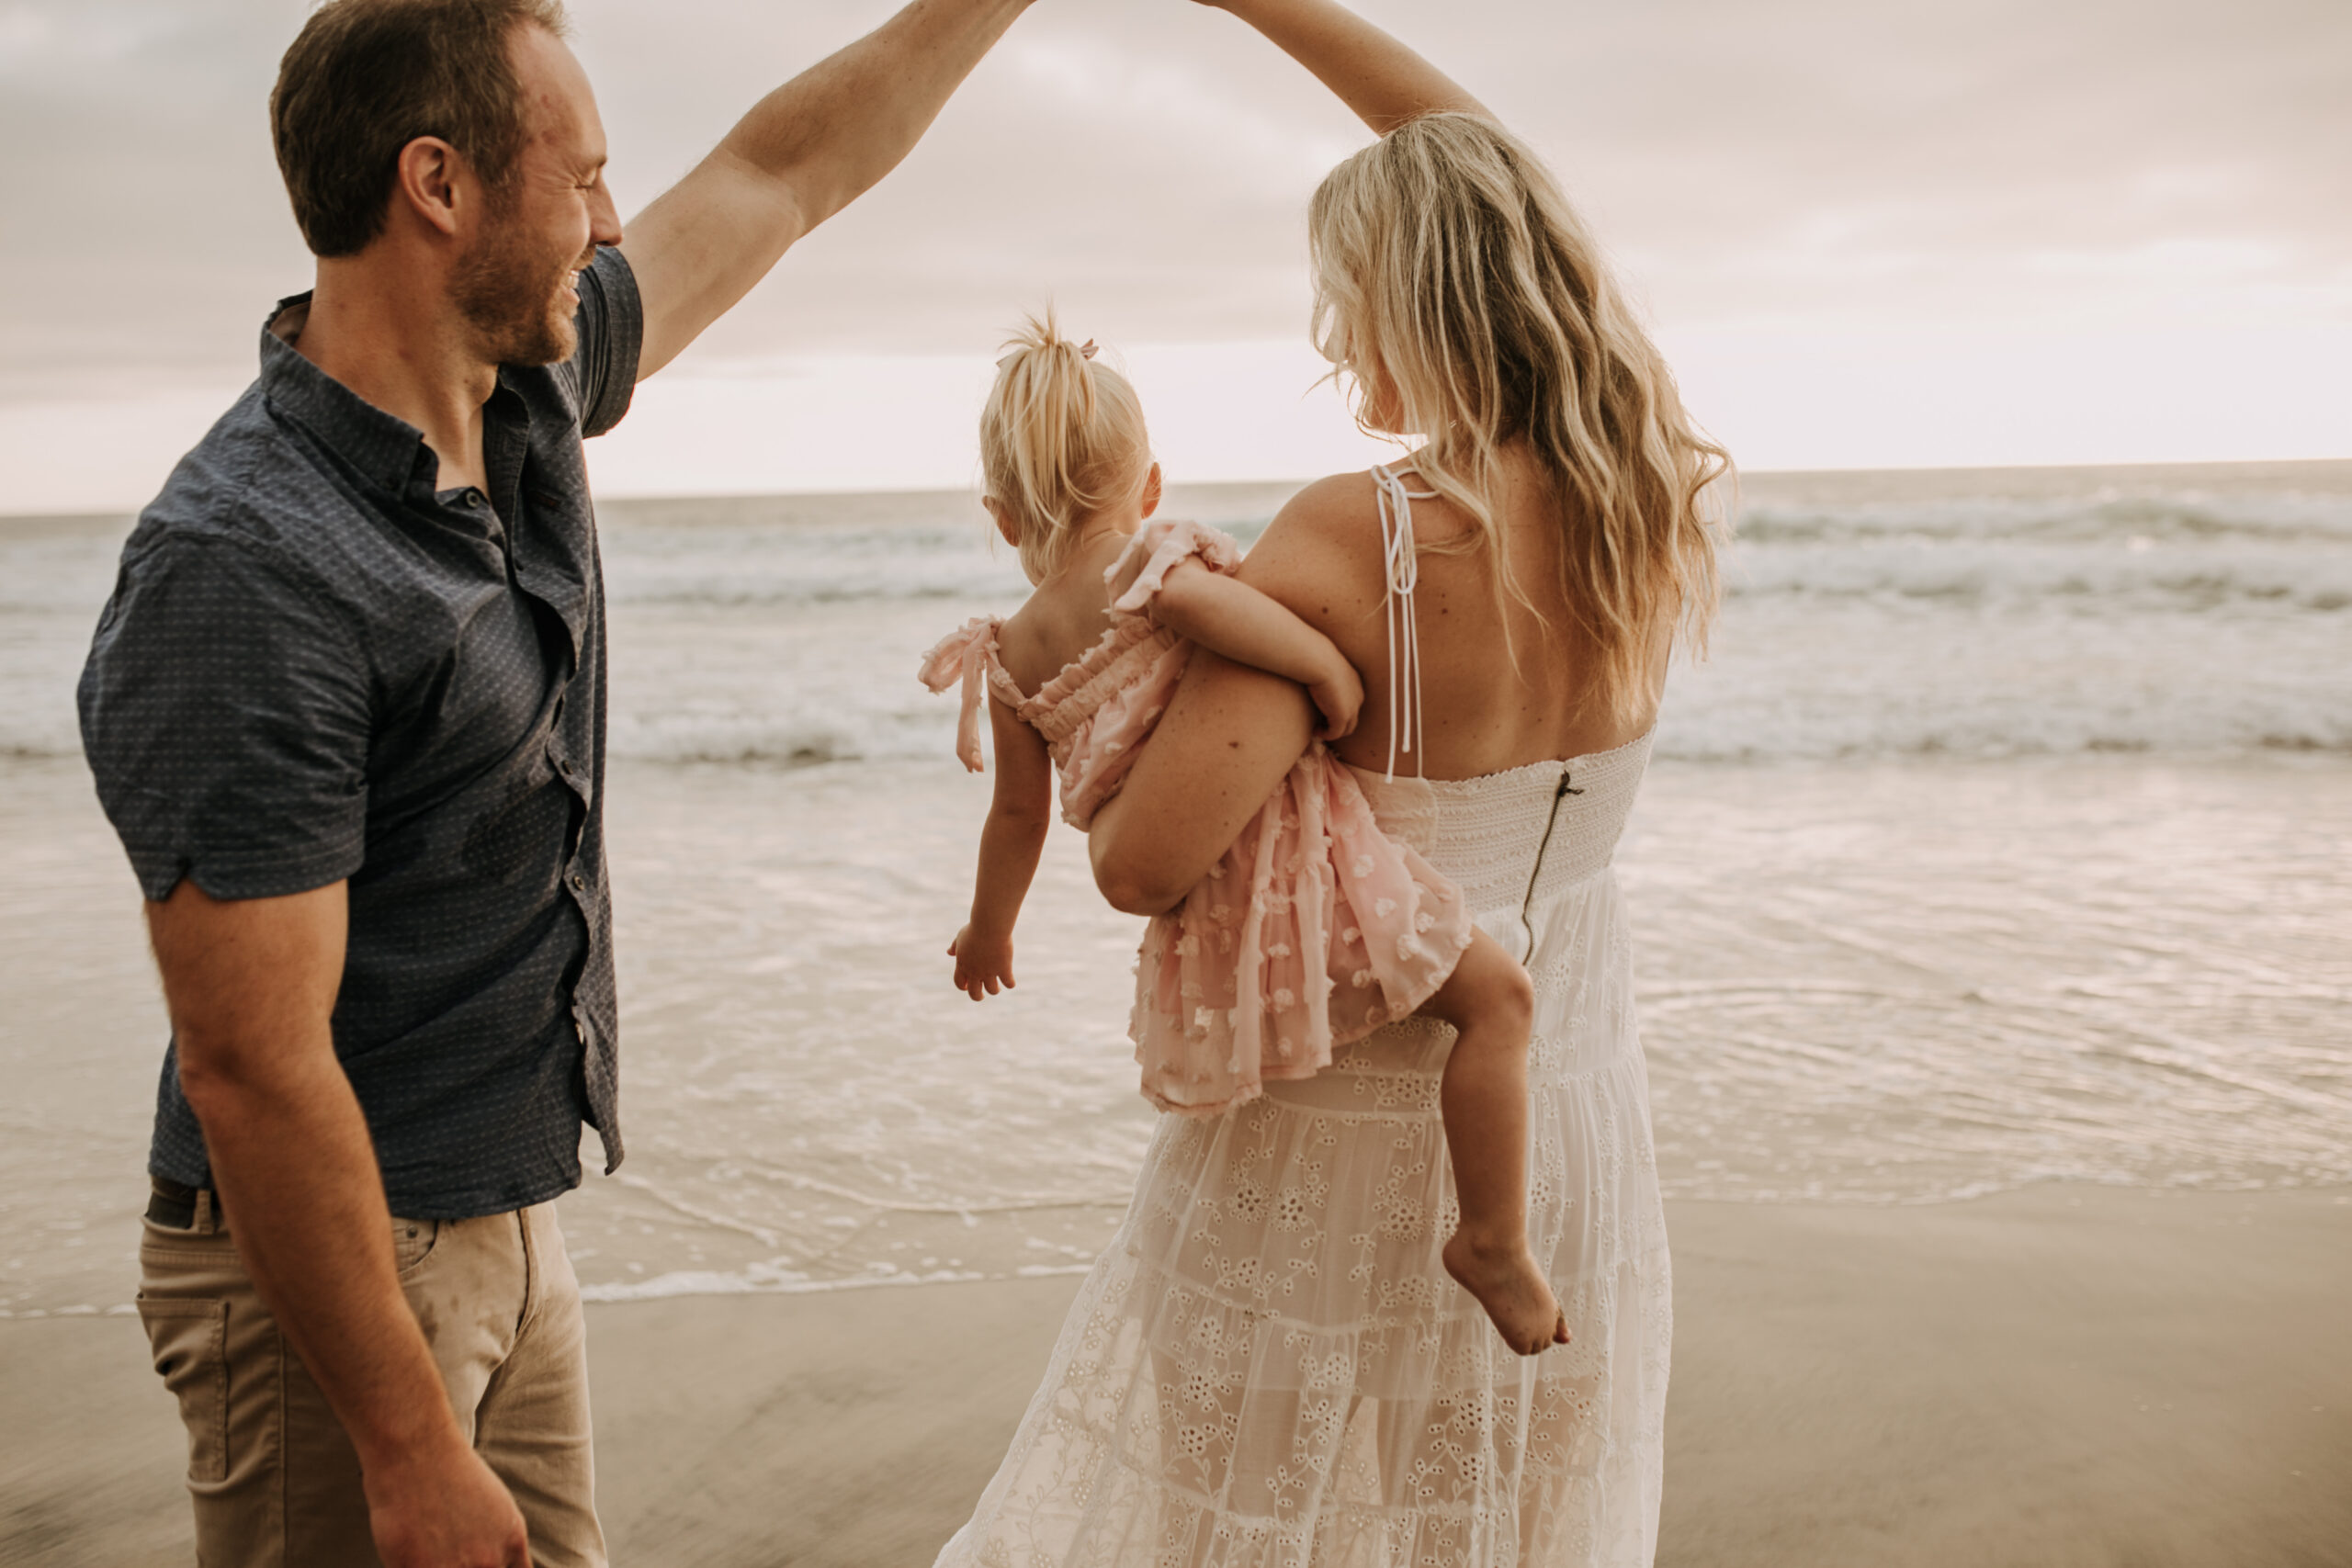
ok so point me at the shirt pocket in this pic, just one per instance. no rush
(188, 1337)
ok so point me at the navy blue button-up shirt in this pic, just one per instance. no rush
(317, 668)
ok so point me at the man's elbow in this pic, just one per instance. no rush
(215, 1072)
(229, 1069)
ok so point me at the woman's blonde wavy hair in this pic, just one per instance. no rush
(1454, 285)
(1061, 437)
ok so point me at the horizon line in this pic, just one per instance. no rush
(1914, 471)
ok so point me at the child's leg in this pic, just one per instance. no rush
(1491, 1003)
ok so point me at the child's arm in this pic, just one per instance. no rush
(1228, 616)
(1010, 844)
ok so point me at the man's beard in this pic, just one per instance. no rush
(513, 301)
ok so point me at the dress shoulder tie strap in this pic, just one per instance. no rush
(1402, 563)
(965, 654)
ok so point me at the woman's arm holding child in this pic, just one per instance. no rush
(1019, 819)
(1230, 618)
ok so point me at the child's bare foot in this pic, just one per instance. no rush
(1512, 1289)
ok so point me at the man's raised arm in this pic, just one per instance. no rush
(804, 152)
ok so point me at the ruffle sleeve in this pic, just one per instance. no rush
(1161, 547)
(964, 654)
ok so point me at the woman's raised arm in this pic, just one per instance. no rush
(1377, 75)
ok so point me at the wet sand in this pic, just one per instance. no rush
(2057, 1376)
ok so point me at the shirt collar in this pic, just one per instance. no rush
(387, 449)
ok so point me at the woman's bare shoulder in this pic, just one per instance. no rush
(1330, 531)
(1327, 522)
(1322, 550)
(1331, 509)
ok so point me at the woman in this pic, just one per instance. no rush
(1270, 1365)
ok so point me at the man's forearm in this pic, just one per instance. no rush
(1378, 76)
(297, 1176)
(804, 152)
(841, 125)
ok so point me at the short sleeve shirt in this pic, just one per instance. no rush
(316, 667)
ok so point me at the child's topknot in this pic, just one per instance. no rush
(1061, 437)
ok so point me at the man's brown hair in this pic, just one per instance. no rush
(367, 78)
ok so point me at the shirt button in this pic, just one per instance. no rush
(474, 498)
(578, 883)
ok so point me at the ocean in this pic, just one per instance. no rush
(2006, 838)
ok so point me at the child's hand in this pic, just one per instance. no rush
(982, 967)
(1340, 695)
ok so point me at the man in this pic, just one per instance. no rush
(346, 709)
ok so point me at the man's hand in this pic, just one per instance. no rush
(983, 964)
(445, 1511)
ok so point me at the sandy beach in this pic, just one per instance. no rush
(2061, 1376)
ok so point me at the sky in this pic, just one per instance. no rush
(1867, 232)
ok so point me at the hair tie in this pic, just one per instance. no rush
(1086, 349)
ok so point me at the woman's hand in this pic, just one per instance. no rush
(1338, 695)
(983, 964)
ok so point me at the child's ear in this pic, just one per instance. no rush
(1001, 515)
(1151, 489)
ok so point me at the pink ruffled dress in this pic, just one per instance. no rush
(1315, 929)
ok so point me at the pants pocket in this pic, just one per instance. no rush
(413, 1244)
(188, 1337)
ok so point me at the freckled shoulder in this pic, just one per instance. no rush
(1334, 510)
(1323, 540)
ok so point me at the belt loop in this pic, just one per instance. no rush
(202, 1222)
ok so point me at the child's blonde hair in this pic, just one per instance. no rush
(1455, 283)
(1061, 437)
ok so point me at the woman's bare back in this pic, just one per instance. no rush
(1501, 687)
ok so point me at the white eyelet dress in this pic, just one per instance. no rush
(1269, 1365)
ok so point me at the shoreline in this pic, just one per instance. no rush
(2058, 1375)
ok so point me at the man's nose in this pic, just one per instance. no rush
(603, 217)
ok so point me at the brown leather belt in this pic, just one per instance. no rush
(173, 1204)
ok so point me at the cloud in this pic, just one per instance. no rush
(2132, 168)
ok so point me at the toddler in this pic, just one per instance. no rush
(1316, 929)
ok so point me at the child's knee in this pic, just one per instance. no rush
(1492, 986)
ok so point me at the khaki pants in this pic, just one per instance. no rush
(275, 1480)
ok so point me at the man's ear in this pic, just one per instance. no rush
(1151, 490)
(1003, 516)
(427, 181)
